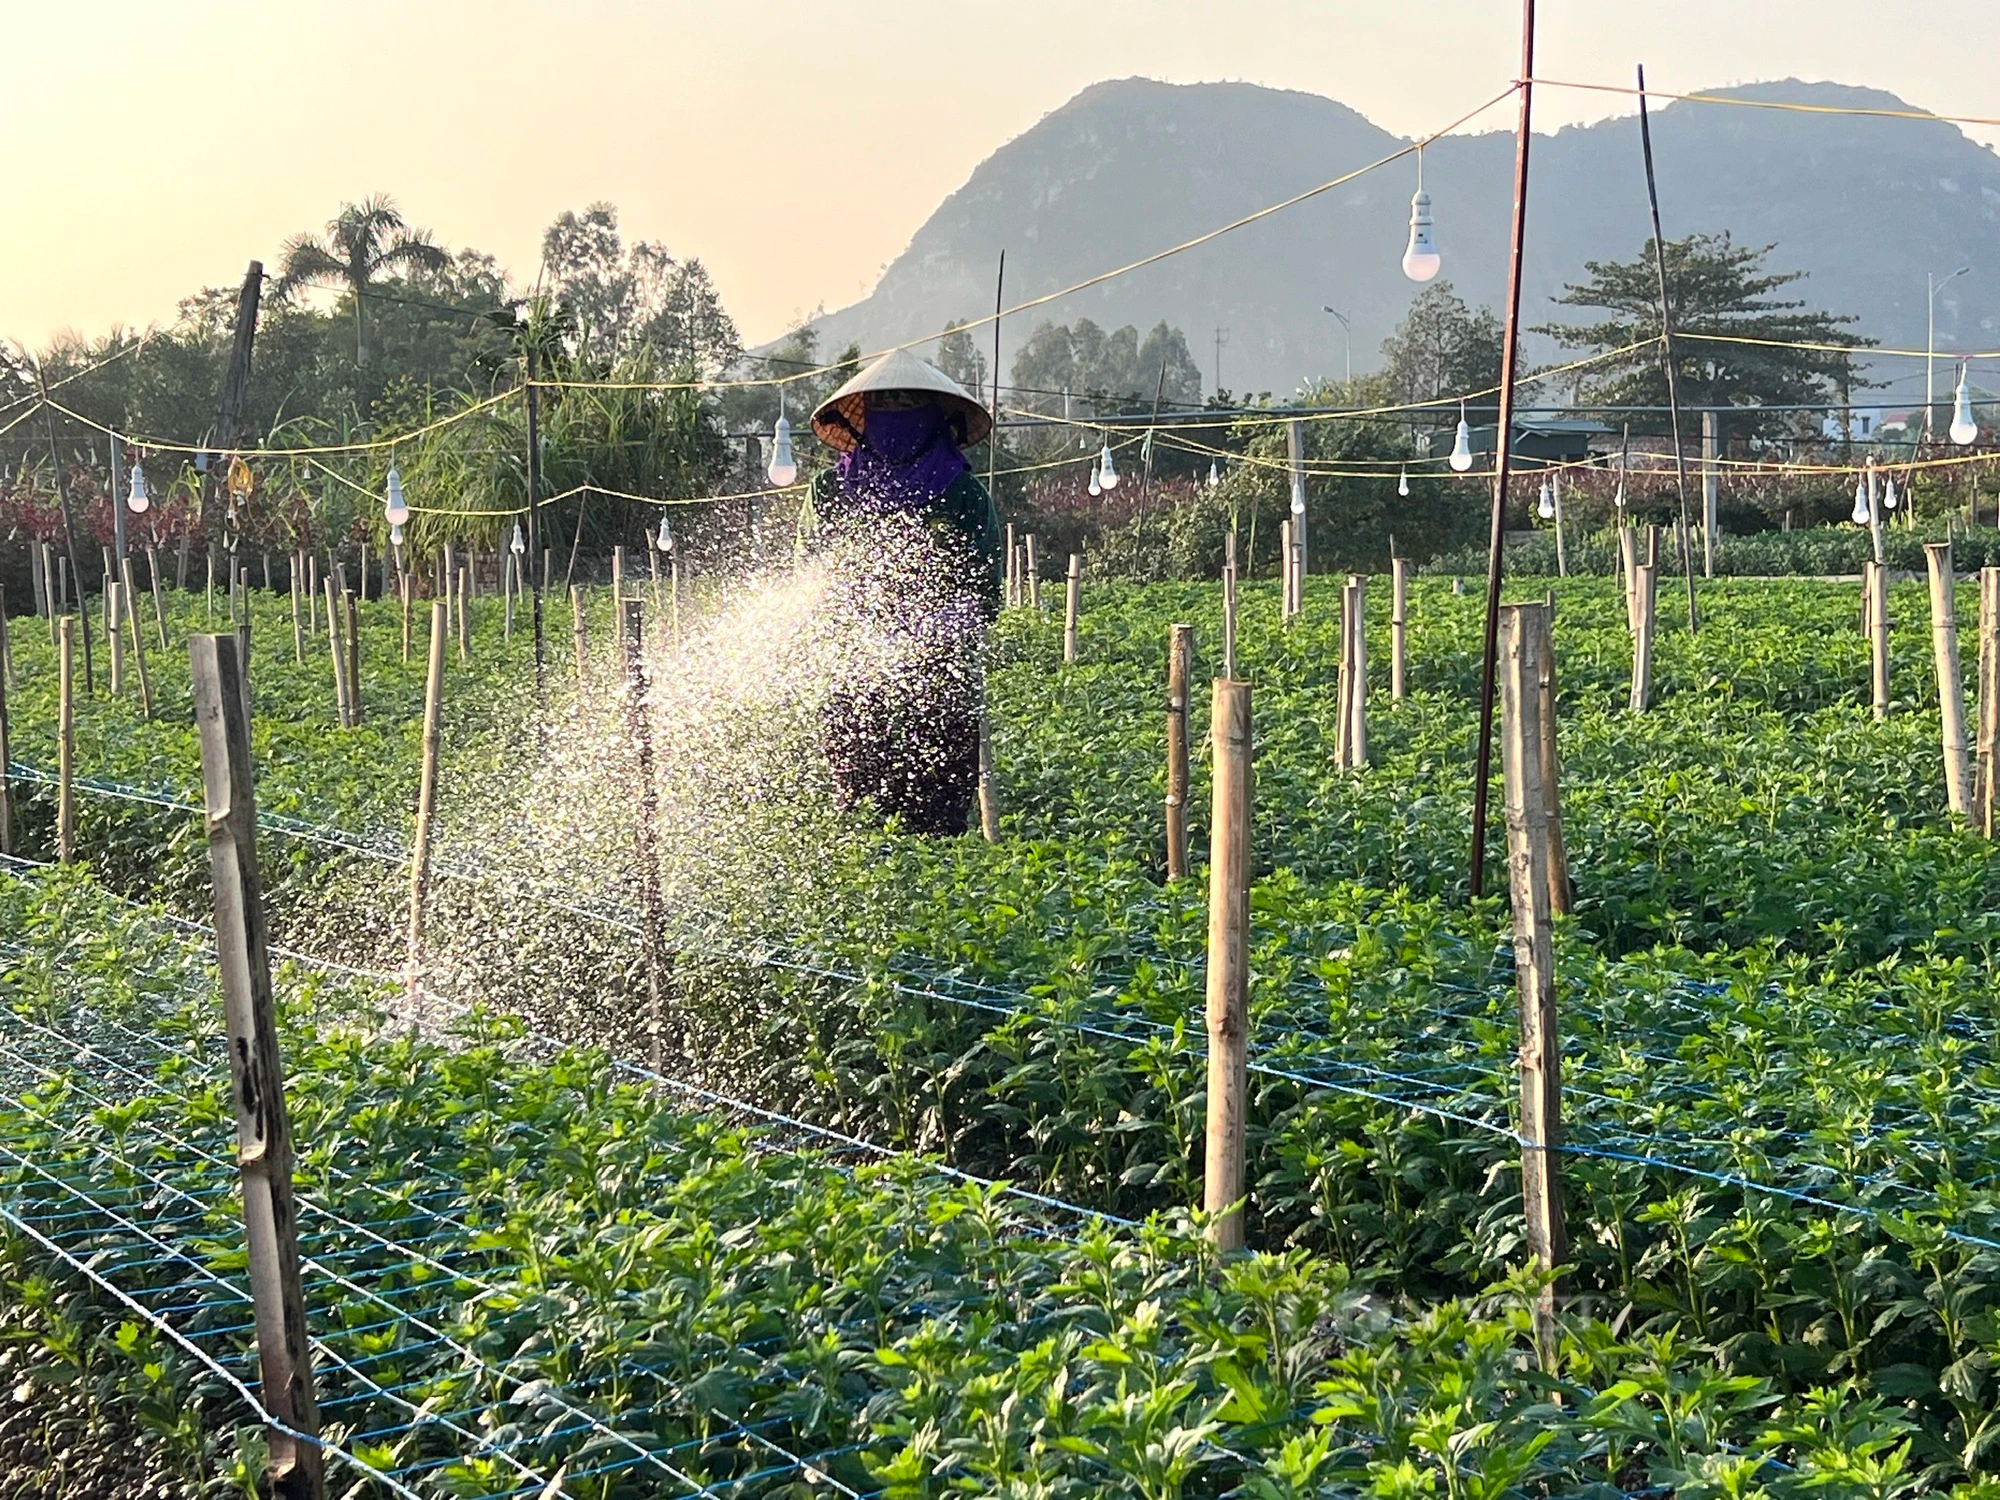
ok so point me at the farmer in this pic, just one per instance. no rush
(917, 547)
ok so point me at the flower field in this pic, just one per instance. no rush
(904, 1206)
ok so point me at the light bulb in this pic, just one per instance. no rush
(1545, 507)
(784, 468)
(1889, 493)
(1403, 480)
(1421, 259)
(1107, 468)
(396, 510)
(1860, 515)
(1214, 475)
(136, 498)
(665, 540)
(1964, 426)
(1096, 486)
(520, 543)
(396, 534)
(1461, 448)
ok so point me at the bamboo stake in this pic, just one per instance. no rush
(209, 614)
(1011, 594)
(1878, 634)
(1180, 664)
(38, 580)
(464, 614)
(645, 833)
(1628, 563)
(298, 624)
(1357, 687)
(65, 741)
(1286, 608)
(1224, 1185)
(1644, 595)
(420, 851)
(338, 654)
(1951, 694)
(6, 753)
(1399, 614)
(117, 638)
(1034, 574)
(353, 657)
(576, 625)
(403, 588)
(159, 601)
(1561, 893)
(1072, 604)
(6, 645)
(125, 596)
(263, 1126)
(989, 789)
(1229, 606)
(1343, 695)
(1529, 797)
(1989, 694)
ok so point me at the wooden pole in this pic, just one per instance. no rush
(126, 595)
(1011, 592)
(1628, 564)
(1561, 893)
(465, 613)
(403, 586)
(1034, 574)
(6, 756)
(645, 830)
(1224, 1184)
(1343, 695)
(65, 740)
(1357, 689)
(116, 641)
(1180, 664)
(1951, 693)
(263, 1125)
(576, 626)
(6, 644)
(1989, 694)
(1529, 876)
(312, 594)
(618, 583)
(1482, 773)
(38, 580)
(298, 624)
(1072, 604)
(338, 654)
(989, 789)
(1399, 612)
(159, 601)
(420, 852)
(1878, 634)
(353, 619)
(1645, 593)
(1229, 605)
(1285, 605)
(507, 594)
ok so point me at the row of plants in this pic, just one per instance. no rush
(1772, 902)
(571, 1287)
(1816, 551)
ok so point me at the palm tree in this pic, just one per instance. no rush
(366, 240)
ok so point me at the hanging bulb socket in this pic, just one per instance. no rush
(136, 499)
(1964, 425)
(395, 509)
(1107, 467)
(1461, 447)
(784, 468)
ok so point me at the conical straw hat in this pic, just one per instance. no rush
(844, 415)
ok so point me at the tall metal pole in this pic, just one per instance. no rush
(1483, 772)
(1667, 351)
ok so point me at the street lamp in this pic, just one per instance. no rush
(1933, 286)
(1347, 330)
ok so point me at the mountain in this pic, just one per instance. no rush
(1865, 204)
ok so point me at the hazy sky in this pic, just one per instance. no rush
(156, 147)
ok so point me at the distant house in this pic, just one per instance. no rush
(1861, 424)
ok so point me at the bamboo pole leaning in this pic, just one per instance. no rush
(1224, 1178)
(353, 620)
(1951, 693)
(159, 601)
(127, 594)
(114, 637)
(263, 1126)
(337, 652)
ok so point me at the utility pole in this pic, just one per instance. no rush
(1347, 331)
(1221, 338)
(1502, 443)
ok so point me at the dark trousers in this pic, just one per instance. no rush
(912, 753)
